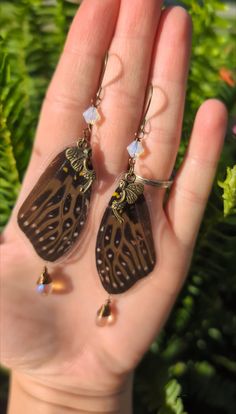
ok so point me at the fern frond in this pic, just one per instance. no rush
(9, 179)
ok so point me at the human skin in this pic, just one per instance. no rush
(61, 361)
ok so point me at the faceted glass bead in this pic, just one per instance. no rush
(91, 115)
(135, 149)
(44, 289)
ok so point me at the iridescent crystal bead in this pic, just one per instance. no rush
(135, 149)
(44, 283)
(91, 115)
(44, 289)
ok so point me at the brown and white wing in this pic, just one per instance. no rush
(55, 211)
(125, 251)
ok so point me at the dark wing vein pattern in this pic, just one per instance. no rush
(125, 251)
(55, 211)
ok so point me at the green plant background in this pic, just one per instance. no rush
(191, 367)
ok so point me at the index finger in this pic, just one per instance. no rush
(76, 77)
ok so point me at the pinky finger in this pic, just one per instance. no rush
(193, 182)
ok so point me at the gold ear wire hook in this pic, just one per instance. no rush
(147, 104)
(98, 94)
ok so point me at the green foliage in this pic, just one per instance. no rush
(190, 368)
(33, 32)
(173, 403)
(9, 177)
(229, 194)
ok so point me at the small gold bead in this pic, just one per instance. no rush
(105, 314)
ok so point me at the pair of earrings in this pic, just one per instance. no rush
(55, 212)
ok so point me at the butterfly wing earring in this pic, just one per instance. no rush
(125, 250)
(55, 212)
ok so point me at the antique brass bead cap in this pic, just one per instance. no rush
(105, 314)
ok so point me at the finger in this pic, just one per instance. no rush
(130, 52)
(193, 183)
(169, 76)
(76, 77)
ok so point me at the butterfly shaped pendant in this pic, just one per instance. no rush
(54, 213)
(125, 249)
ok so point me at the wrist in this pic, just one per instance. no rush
(28, 394)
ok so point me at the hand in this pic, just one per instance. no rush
(58, 355)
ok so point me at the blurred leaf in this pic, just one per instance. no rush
(173, 402)
(229, 193)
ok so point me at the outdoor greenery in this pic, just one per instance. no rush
(191, 366)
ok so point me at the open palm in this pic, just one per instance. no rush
(55, 340)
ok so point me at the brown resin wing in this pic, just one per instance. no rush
(125, 251)
(55, 211)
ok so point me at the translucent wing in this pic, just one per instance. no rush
(55, 211)
(125, 251)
